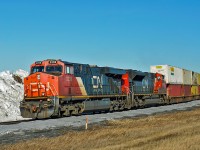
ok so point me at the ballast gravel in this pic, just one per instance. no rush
(78, 121)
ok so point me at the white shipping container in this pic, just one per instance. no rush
(187, 77)
(173, 75)
(195, 78)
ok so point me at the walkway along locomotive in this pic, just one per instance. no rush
(61, 88)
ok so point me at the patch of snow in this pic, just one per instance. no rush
(11, 93)
(21, 73)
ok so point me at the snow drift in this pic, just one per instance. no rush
(11, 93)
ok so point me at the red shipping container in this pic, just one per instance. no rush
(174, 90)
(186, 90)
(199, 88)
(178, 90)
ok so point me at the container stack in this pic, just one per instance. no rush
(180, 82)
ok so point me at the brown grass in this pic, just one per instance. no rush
(177, 131)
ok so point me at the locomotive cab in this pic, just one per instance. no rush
(43, 79)
(51, 67)
(43, 85)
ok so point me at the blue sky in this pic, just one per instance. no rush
(119, 33)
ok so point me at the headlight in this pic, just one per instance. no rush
(38, 62)
(49, 100)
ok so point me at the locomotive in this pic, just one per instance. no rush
(57, 88)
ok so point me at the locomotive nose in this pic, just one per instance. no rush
(40, 85)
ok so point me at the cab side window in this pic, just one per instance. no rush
(69, 70)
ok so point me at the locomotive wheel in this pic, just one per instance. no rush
(141, 102)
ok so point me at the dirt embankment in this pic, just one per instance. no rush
(172, 131)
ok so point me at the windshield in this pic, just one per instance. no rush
(37, 69)
(54, 69)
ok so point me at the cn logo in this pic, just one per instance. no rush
(96, 82)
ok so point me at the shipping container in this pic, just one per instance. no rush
(195, 78)
(173, 75)
(195, 90)
(186, 90)
(198, 81)
(199, 89)
(174, 90)
(178, 90)
(187, 77)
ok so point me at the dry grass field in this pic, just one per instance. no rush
(173, 131)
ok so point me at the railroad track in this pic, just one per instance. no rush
(148, 105)
(15, 122)
(12, 132)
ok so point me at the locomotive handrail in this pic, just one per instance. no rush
(130, 92)
(128, 89)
